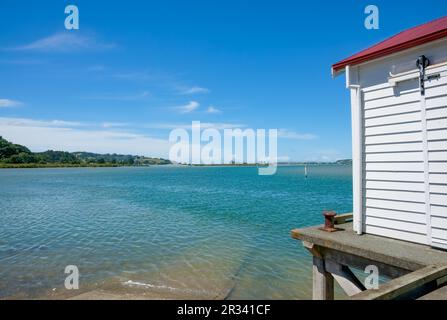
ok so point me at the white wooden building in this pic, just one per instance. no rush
(399, 135)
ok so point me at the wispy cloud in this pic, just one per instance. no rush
(289, 134)
(41, 135)
(212, 109)
(139, 96)
(64, 42)
(134, 76)
(193, 90)
(8, 103)
(169, 83)
(203, 125)
(114, 124)
(24, 122)
(187, 108)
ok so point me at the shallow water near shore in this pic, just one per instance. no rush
(163, 231)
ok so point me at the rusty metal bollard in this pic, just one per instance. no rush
(329, 224)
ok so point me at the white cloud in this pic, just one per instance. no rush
(288, 134)
(203, 125)
(8, 103)
(41, 135)
(114, 124)
(193, 90)
(187, 108)
(325, 155)
(212, 109)
(64, 42)
(282, 159)
(23, 122)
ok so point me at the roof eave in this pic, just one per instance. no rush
(336, 72)
(339, 67)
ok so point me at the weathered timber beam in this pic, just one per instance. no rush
(343, 218)
(295, 234)
(345, 277)
(361, 263)
(403, 285)
(313, 249)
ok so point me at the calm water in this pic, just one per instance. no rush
(214, 232)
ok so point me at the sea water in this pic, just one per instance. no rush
(163, 231)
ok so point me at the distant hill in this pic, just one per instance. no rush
(344, 162)
(15, 155)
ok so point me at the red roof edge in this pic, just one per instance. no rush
(370, 53)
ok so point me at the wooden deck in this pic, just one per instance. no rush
(334, 253)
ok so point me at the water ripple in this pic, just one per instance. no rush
(212, 232)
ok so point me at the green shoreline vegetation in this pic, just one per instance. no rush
(18, 156)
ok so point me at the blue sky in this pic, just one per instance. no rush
(135, 70)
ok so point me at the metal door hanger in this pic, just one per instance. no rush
(422, 63)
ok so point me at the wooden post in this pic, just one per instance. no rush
(323, 282)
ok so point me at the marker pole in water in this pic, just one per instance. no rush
(305, 171)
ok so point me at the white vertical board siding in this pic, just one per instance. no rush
(394, 189)
(436, 117)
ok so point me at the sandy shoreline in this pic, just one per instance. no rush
(124, 291)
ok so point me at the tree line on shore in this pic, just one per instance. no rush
(16, 155)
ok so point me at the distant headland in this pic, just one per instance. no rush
(18, 156)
